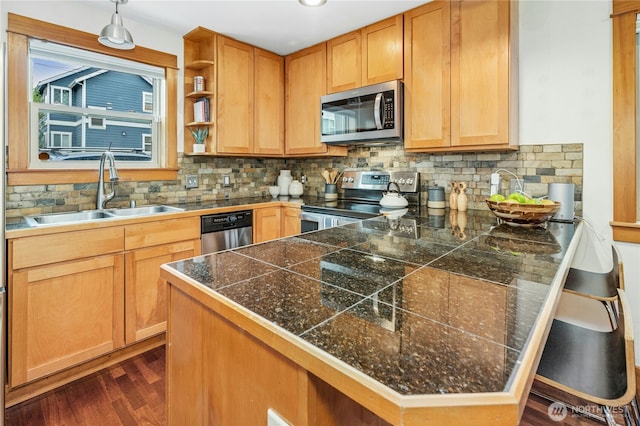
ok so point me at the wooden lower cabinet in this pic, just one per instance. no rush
(76, 296)
(218, 374)
(63, 314)
(270, 223)
(290, 221)
(146, 292)
(266, 224)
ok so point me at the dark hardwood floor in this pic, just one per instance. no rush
(133, 393)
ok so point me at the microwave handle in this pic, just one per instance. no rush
(376, 111)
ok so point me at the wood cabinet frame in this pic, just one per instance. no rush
(19, 29)
(625, 156)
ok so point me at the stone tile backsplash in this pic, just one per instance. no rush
(537, 165)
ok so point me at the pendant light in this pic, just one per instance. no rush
(115, 35)
(312, 3)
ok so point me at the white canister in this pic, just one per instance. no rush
(198, 83)
(284, 180)
(295, 188)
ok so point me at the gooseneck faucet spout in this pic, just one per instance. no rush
(102, 198)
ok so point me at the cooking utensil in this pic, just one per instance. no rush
(393, 199)
(326, 177)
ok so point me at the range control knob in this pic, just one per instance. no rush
(410, 181)
(351, 179)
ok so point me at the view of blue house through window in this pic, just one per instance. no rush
(84, 103)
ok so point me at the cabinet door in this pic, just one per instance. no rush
(290, 221)
(427, 77)
(382, 51)
(64, 314)
(235, 97)
(266, 224)
(269, 103)
(146, 292)
(305, 74)
(344, 62)
(480, 73)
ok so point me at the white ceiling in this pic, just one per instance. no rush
(280, 26)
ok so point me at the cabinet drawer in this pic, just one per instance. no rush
(161, 232)
(44, 249)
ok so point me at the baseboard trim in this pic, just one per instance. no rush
(41, 386)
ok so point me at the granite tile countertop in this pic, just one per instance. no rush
(430, 304)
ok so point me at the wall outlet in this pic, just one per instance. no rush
(191, 181)
(226, 180)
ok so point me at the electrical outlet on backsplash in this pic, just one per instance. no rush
(537, 165)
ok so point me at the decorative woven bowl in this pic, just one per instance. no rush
(517, 214)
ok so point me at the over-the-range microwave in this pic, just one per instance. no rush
(368, 115)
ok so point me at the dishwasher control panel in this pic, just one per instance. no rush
(223, 221)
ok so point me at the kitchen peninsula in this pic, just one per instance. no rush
(414, 321)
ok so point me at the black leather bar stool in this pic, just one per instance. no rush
(594, 365)
(599, 286)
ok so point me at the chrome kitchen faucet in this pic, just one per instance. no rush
(102, 198)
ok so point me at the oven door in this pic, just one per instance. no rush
(318, 221)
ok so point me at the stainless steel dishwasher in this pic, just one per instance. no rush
(226, 231)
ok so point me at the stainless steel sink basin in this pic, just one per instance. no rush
(143, 210)
(65, 218)
(87, 215)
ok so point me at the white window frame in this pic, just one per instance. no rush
(147, 99)
(53, 89)
(52, 134)
(145, 136)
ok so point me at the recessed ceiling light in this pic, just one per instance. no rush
(312, 3)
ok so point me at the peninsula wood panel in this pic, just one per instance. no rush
(65, 314)
(224, 369)
(146, 291)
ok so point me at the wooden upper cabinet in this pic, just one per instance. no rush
(366, 56)
(269, 103)
(305, 82)
(235, 97)
(472, 103)
(382, 50)
(344, 62)
(427, 80)
(483, 74)
(245, 86)
(199, 60)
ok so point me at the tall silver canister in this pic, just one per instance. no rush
(564, 193)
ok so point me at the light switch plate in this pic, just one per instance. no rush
(191, 181)
(226, 180)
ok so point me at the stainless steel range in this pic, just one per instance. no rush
(360, 198)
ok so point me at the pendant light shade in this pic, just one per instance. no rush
(312, 3)
(115, 35)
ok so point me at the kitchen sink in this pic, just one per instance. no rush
(144, 210)
(88, 215)
(64, 218)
